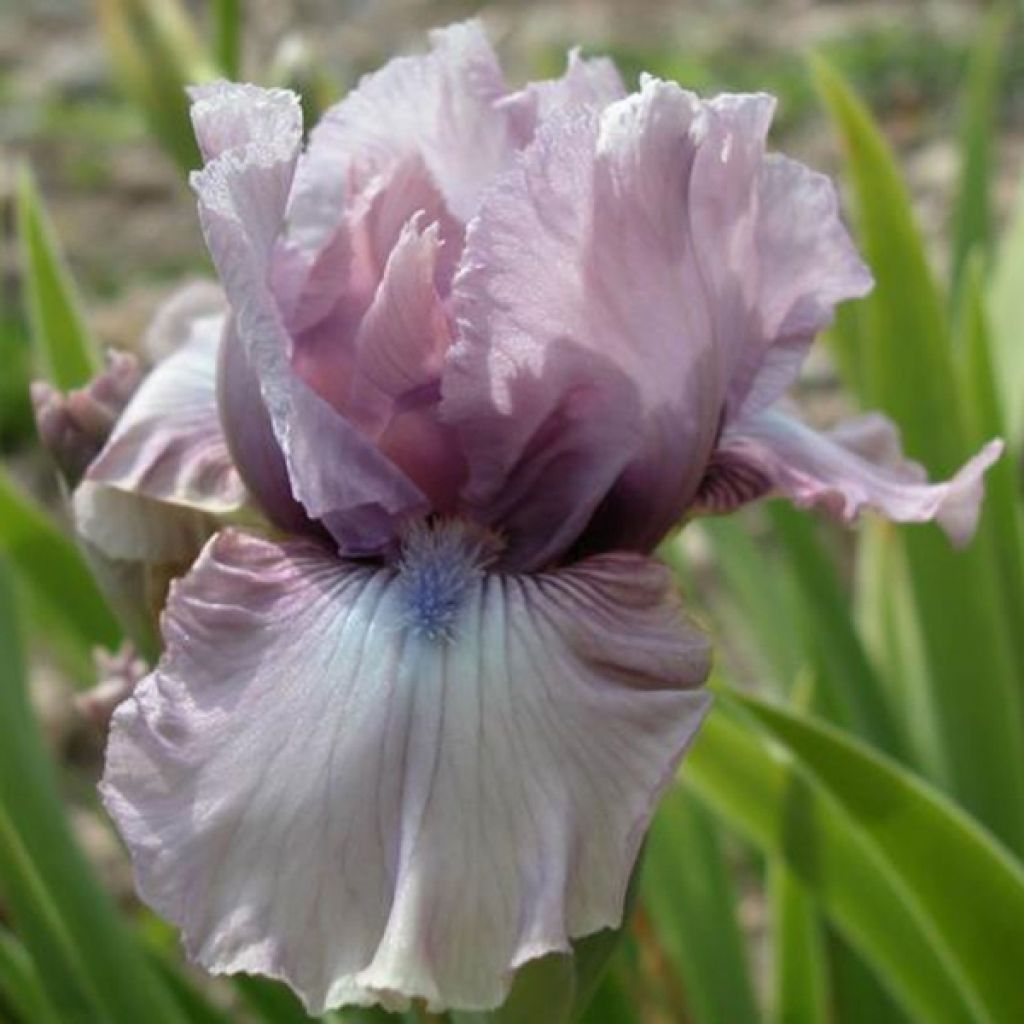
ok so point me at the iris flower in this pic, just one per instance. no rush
(477, 352)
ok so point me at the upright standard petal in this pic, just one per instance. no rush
(807, 265)
(858, 465)
(243, 191)
(585, 361)
(440, 106)
(165, 470)
(380, 784)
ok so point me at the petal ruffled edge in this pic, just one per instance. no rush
(434, 812)
(858, 465)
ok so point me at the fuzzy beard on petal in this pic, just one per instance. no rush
(380, 784)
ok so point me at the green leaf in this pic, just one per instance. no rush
(800, 994)
(92, 966)
(64, 351)
(974, 697)
(227, 37)
(783, 810)
(271, 1001)
(1001, 526)
(1006, 310)
(156, 51)
(963, 881)
(848, 675)
(20, 985)
(972, 216)
(53, 569)
(687, 892)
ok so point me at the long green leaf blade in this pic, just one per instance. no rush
(963, 881)
(800, 994)
(65, 352)
(20, 986)
(43, 868)
(975, 700)
(53, 568)
(687, 892)
(782, 810)
(972, 217)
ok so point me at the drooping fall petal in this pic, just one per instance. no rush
(339, 777)
(858, 465)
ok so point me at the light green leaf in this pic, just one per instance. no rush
(1006, 310)
(800, 990)
(53, 569)
(960, 878)
(910, 373)
(687, 893)
(783, 810)
(227, 37)
(20, 985)
(972, 216)
(64, 351)
(93, 968)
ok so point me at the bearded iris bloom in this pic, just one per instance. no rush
(478, 351)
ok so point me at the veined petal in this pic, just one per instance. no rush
(339, 777)
(858, 465)
(593, 81)
(807, 265)
(150, 493)
(440, 105)
(243, 193)
(585, 361)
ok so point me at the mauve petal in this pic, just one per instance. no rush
(440, 105)
(356, 492)
(173, 319)
(858, 465)
(165, 470)
(808, 264)
(585, 358)
(314, 789)
(593, 82)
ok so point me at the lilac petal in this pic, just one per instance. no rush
(808, 265)
(173, 320)
(440, 105)
(243, 192)
(317, 787)
(118, 675)
(165, 470)
(858, 465)
(585, 354)
(593, 82)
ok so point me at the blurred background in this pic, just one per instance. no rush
(770, 891)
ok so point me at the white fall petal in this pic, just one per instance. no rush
(316, 789)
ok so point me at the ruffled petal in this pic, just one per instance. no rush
(585, 359)
(440, 105)
(150, 493)
(858, 465)
(808, 264)
(593, 82)
(243, 192)
(318, 785)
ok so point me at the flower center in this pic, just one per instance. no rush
(439, 564)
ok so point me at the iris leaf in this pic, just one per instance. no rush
(64, 351)
(964, 883)
(910, 373)
(687, 893)
(774, 802)
(972, 217)
(92, 967)
(53, 569)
